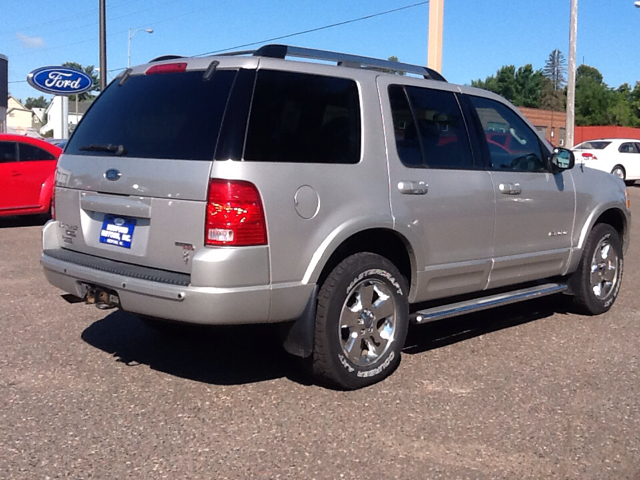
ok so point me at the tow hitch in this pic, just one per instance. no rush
(102, 298)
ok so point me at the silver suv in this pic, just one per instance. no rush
(341, 196)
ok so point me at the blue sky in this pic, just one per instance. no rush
(479, 36)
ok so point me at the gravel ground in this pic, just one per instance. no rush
(526, 391)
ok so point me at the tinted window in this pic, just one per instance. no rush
(164, 115)
(303, 118)
(8, 152)
(429, 128)
(30, 152)
(512, 144)
(628, 148)
(593, 145)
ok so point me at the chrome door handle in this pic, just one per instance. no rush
(510, 188)
(413, 188)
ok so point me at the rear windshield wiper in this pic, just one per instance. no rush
(115, 149)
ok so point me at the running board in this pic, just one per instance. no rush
(484, 303)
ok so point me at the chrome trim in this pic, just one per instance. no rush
(479, 304)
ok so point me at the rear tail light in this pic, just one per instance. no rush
(167, 68)
(235, 215)
(588, 156)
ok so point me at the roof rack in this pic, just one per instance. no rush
(341, 59)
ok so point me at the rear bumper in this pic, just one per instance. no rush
(172, 299)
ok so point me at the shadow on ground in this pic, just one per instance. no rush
(225, 355)
(446, 332)
(23, 221)
(234, 355)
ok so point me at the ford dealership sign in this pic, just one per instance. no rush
(60, 80)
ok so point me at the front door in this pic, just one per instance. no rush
(534, 207)
(440, 198)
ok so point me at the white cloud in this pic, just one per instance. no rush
(30, 42)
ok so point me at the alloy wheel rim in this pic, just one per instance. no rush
(618, 173)
(605, 265)
(367, 322)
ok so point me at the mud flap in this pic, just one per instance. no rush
(298, 336)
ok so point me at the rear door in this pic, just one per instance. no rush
(441, 198)
(629, 157)
(534, 207)
(132, 184)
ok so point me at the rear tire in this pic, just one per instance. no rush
(361, 322)
(596, 283)
(619, 172)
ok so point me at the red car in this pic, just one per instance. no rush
(27, 171)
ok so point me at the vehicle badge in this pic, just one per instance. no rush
(112, 174)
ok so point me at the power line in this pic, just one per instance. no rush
(338, 24)
(317, 29)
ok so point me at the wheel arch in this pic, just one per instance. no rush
(385, 242)
(613, 216)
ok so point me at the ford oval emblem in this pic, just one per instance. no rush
(60, 80)
(112, 174)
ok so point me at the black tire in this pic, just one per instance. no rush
(619, 172)
(358, 339)
(596, 291)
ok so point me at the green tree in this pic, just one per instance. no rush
(594, 101)
(528, 86)
(555, 69)
(39, 102)
(89, 70)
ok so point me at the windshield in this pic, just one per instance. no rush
(164, 115)
(592, 145)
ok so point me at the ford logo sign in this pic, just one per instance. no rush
(60, 80)
(112, 174)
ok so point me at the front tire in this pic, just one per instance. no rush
(596, 283)
(361, 322)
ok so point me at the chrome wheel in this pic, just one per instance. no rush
(367, 322)
(604, 269)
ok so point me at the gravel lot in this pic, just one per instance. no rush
(526, 391)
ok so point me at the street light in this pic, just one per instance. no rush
(131, 34)
(637, 4)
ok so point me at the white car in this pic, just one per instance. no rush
(620, 156)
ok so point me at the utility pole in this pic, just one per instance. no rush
(571, 81)
(436, 22)
(103, 45)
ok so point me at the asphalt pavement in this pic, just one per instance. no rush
(525, 391)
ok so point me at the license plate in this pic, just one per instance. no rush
(117, 230)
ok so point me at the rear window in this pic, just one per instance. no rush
(303, 118)
(592, 145)
(164, 115)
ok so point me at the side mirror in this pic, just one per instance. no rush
(562, 159)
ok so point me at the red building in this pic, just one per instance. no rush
(553, 126)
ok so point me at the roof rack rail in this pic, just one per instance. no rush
(341, 59)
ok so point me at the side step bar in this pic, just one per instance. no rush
(478, 304)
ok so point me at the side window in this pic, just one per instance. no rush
(303, 118)
(8, 152)
(628, 148)
(429, 128)
(512, 144)
(30, 152)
